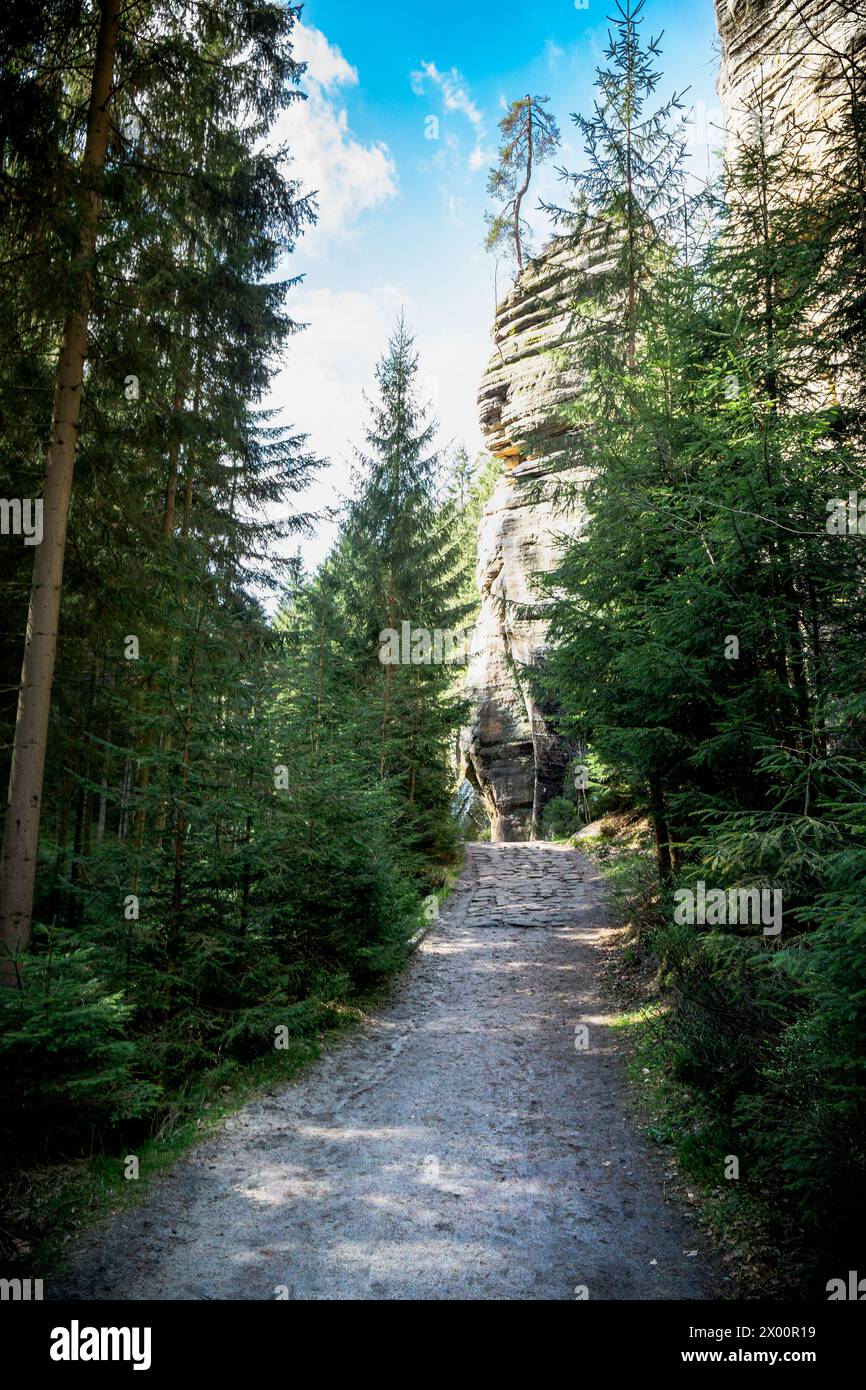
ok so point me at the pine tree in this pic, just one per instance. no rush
(21, 825)
(399, 567)
(529, 136)
(629, 198)
(627, 208)
(470, 485)
(186, 319)
(704, 641)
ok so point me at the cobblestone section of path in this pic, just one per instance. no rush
(459, 1146)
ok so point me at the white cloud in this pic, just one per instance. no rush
(451, 371)
(349, 176)
(330, 364)
(453, 205)
(325, 63)
(455, 97)
(455, 93)
(481, 156)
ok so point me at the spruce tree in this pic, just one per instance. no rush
(704, 633)
(629, 199)
(21, 826)
(400, 568)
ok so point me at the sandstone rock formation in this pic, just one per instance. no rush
(789, 72)
(780, 65)
(509, 750)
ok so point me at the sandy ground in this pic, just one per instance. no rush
(461, 1146)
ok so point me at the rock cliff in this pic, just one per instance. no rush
(510, 751)
(780, 64)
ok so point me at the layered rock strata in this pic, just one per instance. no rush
(785, 67)
(510, 751)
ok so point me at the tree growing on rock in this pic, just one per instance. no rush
(529, 136)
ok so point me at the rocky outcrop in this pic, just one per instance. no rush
(781, 66)
(510, 751)
(528, 378)
(780, 71)
(788, 73)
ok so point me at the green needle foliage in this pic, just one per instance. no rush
(530, 136)
(403, 575)
(707, 629)
(240, 816)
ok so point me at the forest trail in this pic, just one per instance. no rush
(459, 1146)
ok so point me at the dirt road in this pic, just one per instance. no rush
(460, 1146)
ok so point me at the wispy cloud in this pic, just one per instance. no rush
(326, 65)
(553, 53)
(456, 97)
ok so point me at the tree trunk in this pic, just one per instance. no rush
(631, 332)
(658, 813)
(21, 830)
(125, 793)
(102, 812)
(196, 407)
(518, 248)
(246, 879)
(181, 827)
(171, 485)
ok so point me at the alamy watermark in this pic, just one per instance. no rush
(22, 517)
(854, 1289)
(846, 516)
(20, 1290)
(729, 907)
(77, 1343)
(423, 646)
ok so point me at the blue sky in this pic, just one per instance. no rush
(402, 214)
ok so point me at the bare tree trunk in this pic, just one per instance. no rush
(84, 808)
(139, 819)
(659, 817)
(21, 830)
(103, 793)
(384, 729)
(171, 485)
(125, 793)
(181, 827)
(518, 248)
(71, 744)
(190, 467)
(247, 875)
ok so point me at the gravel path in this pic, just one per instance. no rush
(460, 1146)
